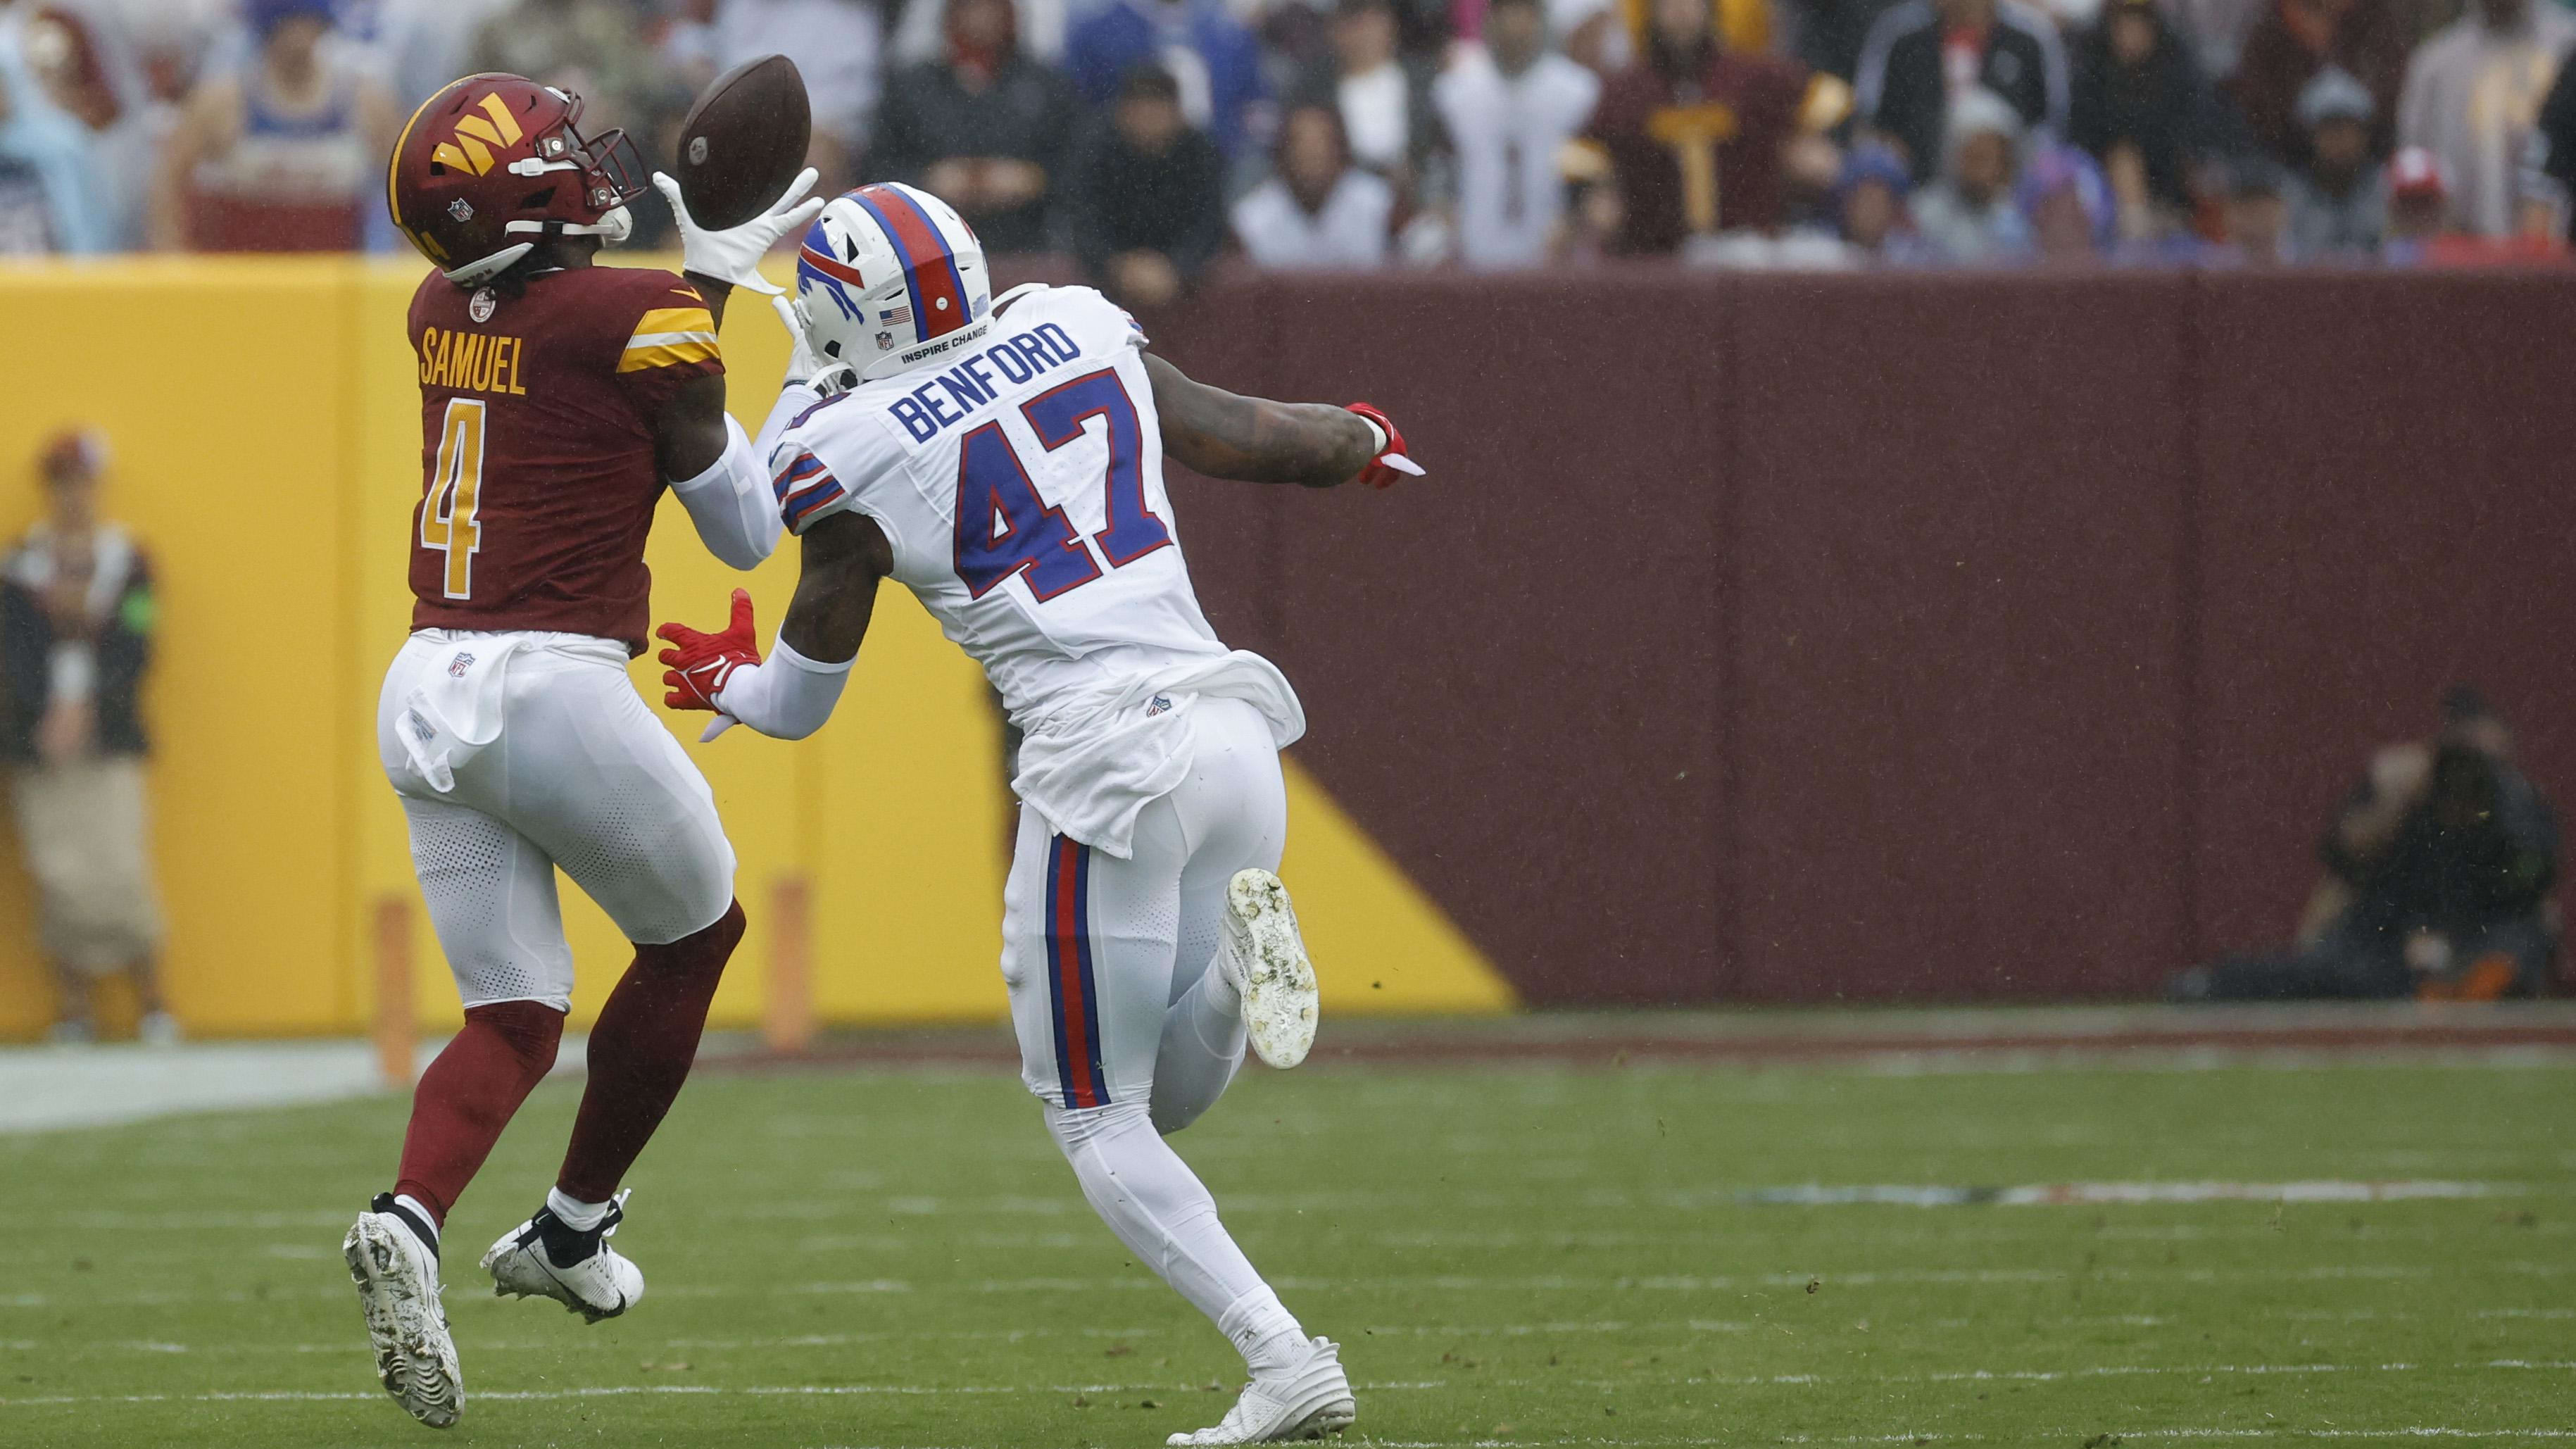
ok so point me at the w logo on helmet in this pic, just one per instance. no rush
(475, 136)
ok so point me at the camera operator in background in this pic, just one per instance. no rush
(2438, 870)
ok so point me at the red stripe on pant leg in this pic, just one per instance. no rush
(1068, 972)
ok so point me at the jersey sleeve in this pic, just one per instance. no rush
(671, 341)
(818, 471)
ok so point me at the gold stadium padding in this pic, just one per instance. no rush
(1379, 943)
(277, 493)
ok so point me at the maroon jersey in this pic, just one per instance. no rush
(536, 417)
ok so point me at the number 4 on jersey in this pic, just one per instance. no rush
(1004, 528)
(455, 492)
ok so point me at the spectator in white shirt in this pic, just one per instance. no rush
(2473, 94)
(1319, 212)
(1384, 101)
(835, 44)
(1510, 107)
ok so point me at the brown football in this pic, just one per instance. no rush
(744, 141)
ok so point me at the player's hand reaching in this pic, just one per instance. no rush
(701, 665)
(1390, 462)
(733, 254)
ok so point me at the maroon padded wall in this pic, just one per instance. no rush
(2387, 507)
(1781, 638)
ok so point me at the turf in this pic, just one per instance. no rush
(1531, 1256)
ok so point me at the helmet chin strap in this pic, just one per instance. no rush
(613, 228)
(484, 269)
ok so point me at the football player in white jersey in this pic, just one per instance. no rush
(1003, 459)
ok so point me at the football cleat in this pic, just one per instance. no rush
(546, 1257)
(1266, 960)
(1307, 1401)
(396, 1269)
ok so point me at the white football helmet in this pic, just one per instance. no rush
(891, 278)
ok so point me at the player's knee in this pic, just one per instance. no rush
(1175, 1111)
(702, 953)
(532, 1030)
(1075, 1128)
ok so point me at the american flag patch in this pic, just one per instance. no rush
(895, 317)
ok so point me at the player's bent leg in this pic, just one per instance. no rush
(1164, 1215)
(1234, 808)
(491, 897)
(599, 781)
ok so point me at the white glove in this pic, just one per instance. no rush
(829, 379)
(733, 255)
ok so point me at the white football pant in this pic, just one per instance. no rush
(578, 774)
(1125, 1031)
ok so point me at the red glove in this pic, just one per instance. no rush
(702, 663)
(1390, 463)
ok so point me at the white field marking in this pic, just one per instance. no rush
(1938, 1437)
(616, 1391)
(2092, 1194)
(1458, 1283)
(2206, 1371)
(2524, 1313)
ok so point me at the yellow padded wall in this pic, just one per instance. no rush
(266, 421)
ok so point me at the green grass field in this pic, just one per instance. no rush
(1536, 1256)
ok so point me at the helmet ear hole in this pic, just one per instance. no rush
(537, 200)
(832, 350)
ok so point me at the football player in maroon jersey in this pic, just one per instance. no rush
(558, 400)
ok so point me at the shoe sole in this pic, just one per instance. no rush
(415, 1358)
(1280, 1006)
(1330, 1419)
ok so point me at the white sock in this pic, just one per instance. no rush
(1161, 1211)
(581, 1217)
(1264, 1330)
(1201, 1049)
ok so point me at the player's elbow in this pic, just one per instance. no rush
(741, 550)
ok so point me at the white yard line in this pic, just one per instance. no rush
(1443, 1283)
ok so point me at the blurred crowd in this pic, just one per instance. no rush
(1148, 138)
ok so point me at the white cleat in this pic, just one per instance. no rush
(1306, 1401)
(397, 1276)
(1266, 960)
(543, 1257)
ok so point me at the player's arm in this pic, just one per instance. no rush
(705, 454)
(1254, 440)
(710, 463)
(790, 694)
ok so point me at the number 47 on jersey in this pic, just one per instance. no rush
(1005, 529)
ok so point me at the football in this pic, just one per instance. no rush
(744, 141)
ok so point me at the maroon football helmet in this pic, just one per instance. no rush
(492, 163)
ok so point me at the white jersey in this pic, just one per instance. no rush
(1021, 486)
(1509, 131)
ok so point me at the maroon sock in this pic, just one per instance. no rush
(640, 1052)
(468, 1095)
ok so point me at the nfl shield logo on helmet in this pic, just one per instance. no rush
(461, 209)
(884, 341)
